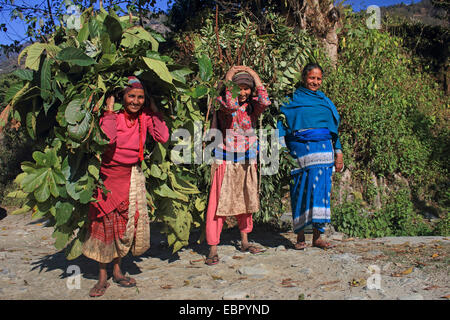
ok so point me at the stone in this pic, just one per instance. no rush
(280, 248)
(337, 236)
(258, 270)
(411, 297)
(226, 259)
(346, 257)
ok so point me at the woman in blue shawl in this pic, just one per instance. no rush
(311, 136)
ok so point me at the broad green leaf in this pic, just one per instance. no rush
(94, 28)
(75, 56)
(71, 188)
(61, 239)
(132, 36)
(42, 193)
(54, 190)
(155, 171)
(63, 212)
(94, 170)
(76, 249)
(200, 204)
(12, 91)
(113, 28)
(46, 79)
(24, 74)
(198, 92)
(183, 186)
(79, 131)
(85, 196)
(37, 214)
(73, 112)
(25, 208)
(59, 177)
(166, 192)
(42, 159)
(31, 124)
(28, 166)
(20, 177)
(32, 181)
(33, 53)
(180, 74)
(205, 68)
(18, 194)
(159, 68)
(83, 34)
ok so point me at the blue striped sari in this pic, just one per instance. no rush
(310, 186)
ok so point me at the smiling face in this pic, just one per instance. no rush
(313, 79)
(245, 93)
(133, 100)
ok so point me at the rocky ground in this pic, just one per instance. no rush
(411, 268)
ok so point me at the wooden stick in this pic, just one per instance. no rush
(219, 49)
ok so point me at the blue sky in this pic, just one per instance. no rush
(17, 29)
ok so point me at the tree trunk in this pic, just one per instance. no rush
(319, 16)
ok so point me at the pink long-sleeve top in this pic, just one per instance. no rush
(124, 137)
(238, 121)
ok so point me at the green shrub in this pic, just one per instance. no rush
(395, 218)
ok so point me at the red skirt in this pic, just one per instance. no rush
(109, 215)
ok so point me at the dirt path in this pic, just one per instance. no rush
(403, 268)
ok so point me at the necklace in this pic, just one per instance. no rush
(130, 119)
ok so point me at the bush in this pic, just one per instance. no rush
(393, 125)
(396, 218)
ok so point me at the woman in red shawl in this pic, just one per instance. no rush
(119, 219)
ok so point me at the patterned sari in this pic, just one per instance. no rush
(311, 181)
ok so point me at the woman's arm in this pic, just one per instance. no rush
(339, 156)
(108, 122)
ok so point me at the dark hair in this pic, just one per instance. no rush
(310, 66)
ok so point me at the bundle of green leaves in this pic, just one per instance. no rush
(60, 98)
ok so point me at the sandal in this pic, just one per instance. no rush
(300, 245)
(323, 245)
(98, 291)
(252, 249)
(212, 260)
(125, 282)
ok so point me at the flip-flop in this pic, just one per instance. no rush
(121, 282)
(252, 249)
(210, 261)
(98, 291)
(300, 245)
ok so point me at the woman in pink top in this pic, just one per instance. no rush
(119, 219)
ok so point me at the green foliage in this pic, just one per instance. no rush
(395, 218)
(393, 118)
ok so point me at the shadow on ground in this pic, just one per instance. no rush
(262, 235)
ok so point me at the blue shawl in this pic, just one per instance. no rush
(310, 109)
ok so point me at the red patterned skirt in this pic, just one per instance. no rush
(109, 216)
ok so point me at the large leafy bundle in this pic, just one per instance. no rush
(60, 98)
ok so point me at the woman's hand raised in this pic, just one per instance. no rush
(110, 103)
